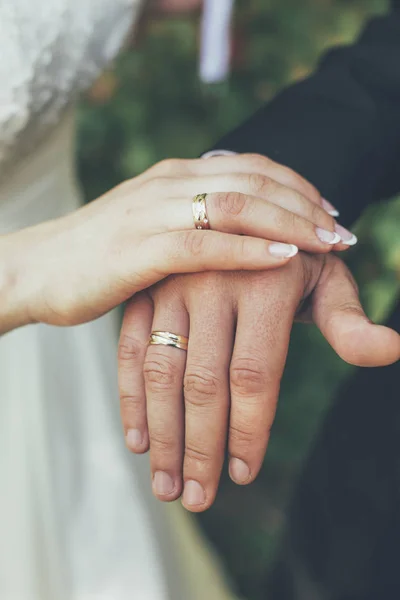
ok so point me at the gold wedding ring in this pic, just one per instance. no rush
(165, 338)
(200, 212)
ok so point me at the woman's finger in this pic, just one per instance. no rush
(163, 373)
(263, 173)
(248, 215)
(255, 163)
(196, 251)
(132, 348)
(252, 185)
(243, 163)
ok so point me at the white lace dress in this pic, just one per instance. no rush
(77, 518)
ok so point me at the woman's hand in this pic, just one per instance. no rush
(76, 268)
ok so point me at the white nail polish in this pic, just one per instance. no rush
(329, 208)
(328, 237)
(280, 250)
(352, 241)
(214, 153)
(348, 238)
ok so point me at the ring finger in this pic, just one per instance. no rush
(163, 374)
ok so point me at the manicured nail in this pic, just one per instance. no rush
(193, 494)
(214, 153)
(330, 209)
(163, 483)
(134, 439)
(283, 250)
(348, 238)
(328, 237)
(238, 470)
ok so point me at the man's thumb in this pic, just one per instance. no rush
(338, 313)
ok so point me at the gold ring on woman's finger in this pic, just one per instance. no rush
(200, 216)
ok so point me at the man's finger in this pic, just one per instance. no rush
(206, 392)
(163, 372)
(262, 338)
(337, 310)
(132, 348)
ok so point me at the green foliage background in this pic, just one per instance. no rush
(151, 106)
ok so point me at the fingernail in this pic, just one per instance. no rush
(163, 483)
(134, 439)
(348, 238)
(330, 209)
(328, 237)
(214, 153)
(193, 493)
(238, 470)
(283, 250)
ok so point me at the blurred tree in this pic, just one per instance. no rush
(152, 106)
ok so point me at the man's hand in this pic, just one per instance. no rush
(226, 389)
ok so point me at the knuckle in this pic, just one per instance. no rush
(291, 178)
(131, 402)
(248, 376)
(196, 455)
(351, 308)
(231, 203)
(193, 242)
(130, 349)
(242, 435)
(159, 373)
(162, 444)
(259, 184)
(169, 166)
(200, 387)
(258, 161)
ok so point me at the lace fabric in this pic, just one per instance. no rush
(50, 51)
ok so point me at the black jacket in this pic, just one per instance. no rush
(340, 128)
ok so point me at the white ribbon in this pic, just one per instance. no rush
(216, 40)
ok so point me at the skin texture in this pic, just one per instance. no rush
(188, 408)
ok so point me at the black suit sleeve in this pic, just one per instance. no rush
(340, 128)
